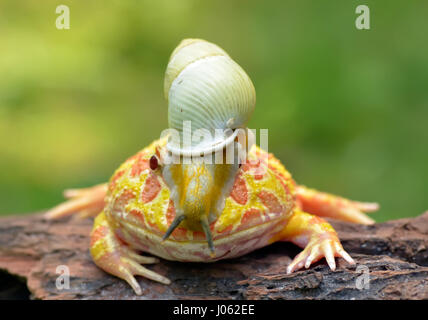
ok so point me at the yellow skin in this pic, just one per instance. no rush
(246, 207)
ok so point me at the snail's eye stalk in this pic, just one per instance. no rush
(207, 231)
(173, 226)
(205, 227)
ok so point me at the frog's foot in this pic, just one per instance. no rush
(318, 239)
(317, 249)
(328, 205)
(85, 202)
(114, 257)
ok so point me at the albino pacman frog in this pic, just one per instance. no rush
(166, 202)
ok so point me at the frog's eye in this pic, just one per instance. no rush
(154, 162)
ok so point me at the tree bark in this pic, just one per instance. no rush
(392, 263)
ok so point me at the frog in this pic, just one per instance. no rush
(154, 208)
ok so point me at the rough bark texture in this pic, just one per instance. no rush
(395, 255)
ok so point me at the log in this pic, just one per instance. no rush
(392, 263)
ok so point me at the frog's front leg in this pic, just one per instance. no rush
(327, 205)
(316, 236)
(116, 258)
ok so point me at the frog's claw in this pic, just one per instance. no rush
(318, 239)
(328, 205)
(116, 258)
(86, 202)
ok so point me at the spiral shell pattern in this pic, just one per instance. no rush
(205, 86)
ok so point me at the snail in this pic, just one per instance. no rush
(207, 89)
(211, 97)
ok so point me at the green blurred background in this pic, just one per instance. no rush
(346, 109)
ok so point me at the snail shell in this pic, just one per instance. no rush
(205, 86)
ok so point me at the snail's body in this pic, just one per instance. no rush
(165, 209)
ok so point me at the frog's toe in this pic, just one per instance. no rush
(318, 249)
(342, 253)
(86, 202)
(130, 268)
(298, 262)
